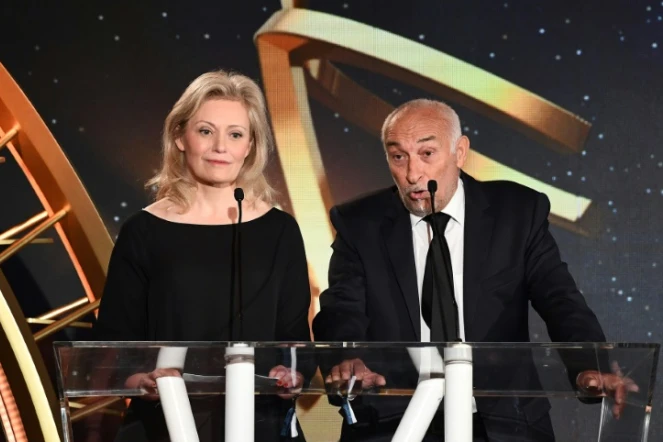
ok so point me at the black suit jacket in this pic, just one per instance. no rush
(510, 260)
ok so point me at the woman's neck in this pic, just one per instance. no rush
(213, 205)
(210, 206)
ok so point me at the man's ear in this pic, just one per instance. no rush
(462, 148)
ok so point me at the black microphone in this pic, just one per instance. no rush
(432, 188)
(239, 196)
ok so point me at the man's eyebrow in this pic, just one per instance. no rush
(392, 144)
(428, 138)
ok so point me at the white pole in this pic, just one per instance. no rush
(458, 403)
(420, 411)
(426, 398)
(240, 393)
(174, 397)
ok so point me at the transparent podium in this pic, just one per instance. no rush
(177, 385)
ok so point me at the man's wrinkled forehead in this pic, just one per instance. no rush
(414, 126)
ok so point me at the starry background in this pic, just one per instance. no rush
(103, 75)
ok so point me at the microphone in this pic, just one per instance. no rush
(239, 197)
(432, 188)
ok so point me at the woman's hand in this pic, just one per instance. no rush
(285, 380)
(147, 382)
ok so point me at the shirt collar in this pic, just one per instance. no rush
(455, 209)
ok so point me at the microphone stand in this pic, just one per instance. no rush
(240, 359)
(432, 188)
(239, 197)
(455, 384)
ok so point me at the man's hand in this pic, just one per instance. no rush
(355, 367)
(614, 385)
(285, 380)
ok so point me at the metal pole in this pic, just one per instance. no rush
(458, 403)
(240, 393)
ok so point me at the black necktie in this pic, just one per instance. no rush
(438, 305)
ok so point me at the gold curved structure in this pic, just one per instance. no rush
(26, 387)
(24, 383)
(297, 47)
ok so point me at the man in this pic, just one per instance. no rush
(502, 257)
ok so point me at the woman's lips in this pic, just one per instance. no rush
(218, 162)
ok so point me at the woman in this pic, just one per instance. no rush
(173, 274)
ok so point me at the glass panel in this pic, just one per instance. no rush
(501, 372)
(101, 369)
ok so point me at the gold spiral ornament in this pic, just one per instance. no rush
(29, 408)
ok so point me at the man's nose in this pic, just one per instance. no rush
(414, 172)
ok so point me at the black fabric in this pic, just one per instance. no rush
(145, 420)
(438, 305)
(174, 282)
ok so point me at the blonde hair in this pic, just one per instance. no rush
(448, 118)
(173, 181)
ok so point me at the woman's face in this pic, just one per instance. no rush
(216, 141)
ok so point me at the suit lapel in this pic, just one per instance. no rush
(478, 233)
(396, 231)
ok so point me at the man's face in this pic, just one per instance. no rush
(418, 147)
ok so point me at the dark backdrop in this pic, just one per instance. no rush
(103, 75)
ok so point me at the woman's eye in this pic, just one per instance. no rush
(205, 131)
(236, 135)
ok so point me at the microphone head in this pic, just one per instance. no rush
(239, 194)
(432, 186)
